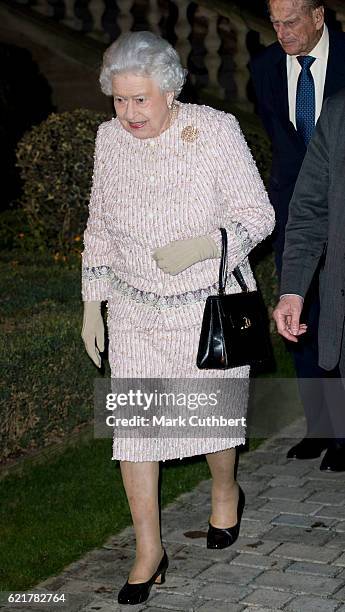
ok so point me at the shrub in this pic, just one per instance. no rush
(13, 227)
(262, 257)
(55, 160)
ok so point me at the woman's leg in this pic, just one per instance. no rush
(224, 488)
(141, 485)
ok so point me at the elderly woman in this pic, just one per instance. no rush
(166, 177)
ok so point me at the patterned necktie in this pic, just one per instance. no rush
(305, 99)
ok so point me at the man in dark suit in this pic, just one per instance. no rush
(292, 78)
(316, 228)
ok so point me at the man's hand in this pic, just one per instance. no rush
(287, 317)
(178, 255)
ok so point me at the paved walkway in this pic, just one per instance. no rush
(289, 555)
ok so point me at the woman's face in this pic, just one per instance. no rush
(141, 107)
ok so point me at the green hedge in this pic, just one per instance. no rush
(55, 160)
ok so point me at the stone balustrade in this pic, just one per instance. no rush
(215, 40)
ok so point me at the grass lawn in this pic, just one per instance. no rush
(53, 512)
(56, 508)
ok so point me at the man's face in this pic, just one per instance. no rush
(298, 27)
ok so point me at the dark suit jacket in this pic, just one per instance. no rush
(316, 227)
(270, 83)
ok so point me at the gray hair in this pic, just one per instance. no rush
(143, 53)
(313, 4)
(308, 4)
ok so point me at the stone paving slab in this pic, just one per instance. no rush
(257, 609)
(296, 520)
(293, 507)
(224, 592)
(289, 556)
(337, 540)
(172, 601)
(340, 594)
(314, 537)
(97, 605)
(311, 604)
(267, 598)
(182, 585)
(207, 607)
(288, 493)
(299, 584)
(286, 480)
(221, 572)
(303, 552)
(340, 560)
(254, 529)
(314, 569)
(336, 499)
(293, 468)
(255, 546)
(327, 479)
(260, 561)
(257, 514)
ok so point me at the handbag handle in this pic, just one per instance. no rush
(223, 267)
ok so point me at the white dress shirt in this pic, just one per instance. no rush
(318, 70)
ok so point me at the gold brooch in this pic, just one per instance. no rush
(189, 133)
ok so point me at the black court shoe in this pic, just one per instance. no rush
(221, 538)
(334, 458)
(137, 593)
(308, 448)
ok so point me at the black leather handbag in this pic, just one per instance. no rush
(234, 329)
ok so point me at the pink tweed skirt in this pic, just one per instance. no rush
(156, 352)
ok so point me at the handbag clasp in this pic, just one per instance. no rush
(246, 323)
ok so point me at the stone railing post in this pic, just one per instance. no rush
(42, 7)
(154, 16)
(124, 19)
(212, 44)
(241, 58)
(182, 31)
(69, 13)
(97, 8)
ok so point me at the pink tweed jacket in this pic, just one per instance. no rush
(195, 177)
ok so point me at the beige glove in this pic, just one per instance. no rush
(178, 255)
(92, 332)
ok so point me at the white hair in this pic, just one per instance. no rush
(143, 53)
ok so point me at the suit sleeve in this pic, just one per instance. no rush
(247, 214)
(307, 227)
(96, 258)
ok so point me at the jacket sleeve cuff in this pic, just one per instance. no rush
(239, 243)
(95, 283)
